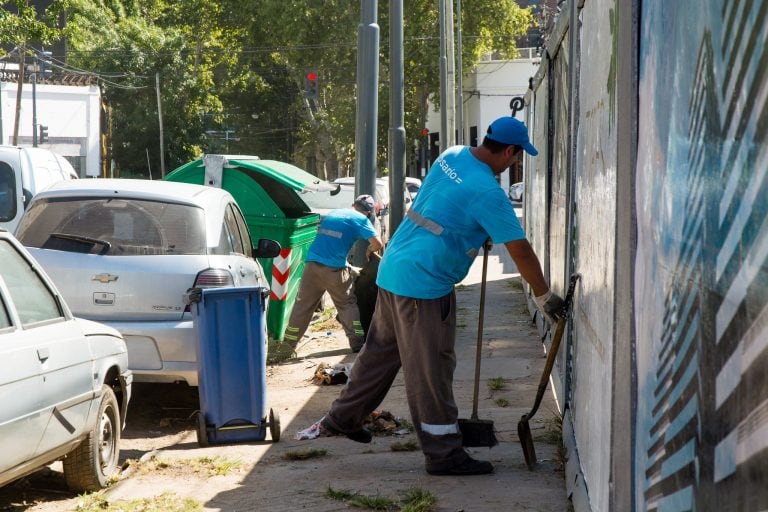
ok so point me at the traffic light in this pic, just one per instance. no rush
(311, 86)
(45, 63)
(43, 135)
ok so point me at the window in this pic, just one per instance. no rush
(233, 231)
(33, 300)
(7, 192)
(244, 233)
(5, 318)
(114, 227)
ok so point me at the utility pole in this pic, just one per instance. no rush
(396, 117)
(34, 109)
(447, 90)
(22, 53)
(459, 79)
(367, 106)
(160, 122)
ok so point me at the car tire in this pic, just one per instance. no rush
(91, 465)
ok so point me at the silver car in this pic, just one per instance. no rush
(64, 382)
(124, 252)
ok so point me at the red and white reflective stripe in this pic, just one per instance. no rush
(281, 271)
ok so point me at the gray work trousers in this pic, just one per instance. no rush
(339, 283)
(419, 335)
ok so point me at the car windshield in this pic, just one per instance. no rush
(115, 227)
(328, 200)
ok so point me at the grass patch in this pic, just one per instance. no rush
(414, 500)
(496, 383)
(338, 494)
(553, 431)
(502, 402)
(312, 453)
(418, 500)
(166, 502)
(279, 351)
(206, 466)
(406, 446)
(515, 283)
(325, 322)
(376, 502)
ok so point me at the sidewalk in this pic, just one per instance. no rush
(267, 481)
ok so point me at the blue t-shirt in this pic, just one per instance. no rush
(461, 199)
(337, 232)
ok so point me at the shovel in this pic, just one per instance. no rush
(523, 428)
(476, 432)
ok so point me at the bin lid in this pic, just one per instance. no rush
(261, 187)
(284, 173)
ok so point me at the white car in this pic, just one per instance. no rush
(64, 381)
(23, 173)
(124, 252)
(322, 202)
(382, 198)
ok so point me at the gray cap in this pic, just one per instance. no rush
(365, 203)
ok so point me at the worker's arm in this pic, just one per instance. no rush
(374, 244)
(530, 268)
(528, 264)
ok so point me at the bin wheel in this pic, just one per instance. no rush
(274, 426)
(202, 430)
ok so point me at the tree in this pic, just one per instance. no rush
(233, 73)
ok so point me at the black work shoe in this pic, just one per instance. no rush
(468, 467)
(359, 436)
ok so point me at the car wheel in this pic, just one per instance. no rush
(91, 465)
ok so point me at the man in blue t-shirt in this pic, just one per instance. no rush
(459, 206)
(326, 270)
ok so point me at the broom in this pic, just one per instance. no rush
(476, 432)
(523, 428)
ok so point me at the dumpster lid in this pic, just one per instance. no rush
(282, 172)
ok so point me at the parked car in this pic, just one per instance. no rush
(343, 196)
(64, 381)
(516, 192)
(124, 252)
(411, 184)
(23, 173)
(382, 198)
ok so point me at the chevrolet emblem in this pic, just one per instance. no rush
(104, 278)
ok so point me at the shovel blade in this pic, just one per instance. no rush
(526, 440)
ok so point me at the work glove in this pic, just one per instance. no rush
(551, 305)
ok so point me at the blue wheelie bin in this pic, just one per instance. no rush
(232, 376)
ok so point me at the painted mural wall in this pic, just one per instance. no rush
(702, 257)
(699, 370)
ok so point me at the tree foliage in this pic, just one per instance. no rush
(232, 73)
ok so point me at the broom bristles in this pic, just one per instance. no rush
(477, 433)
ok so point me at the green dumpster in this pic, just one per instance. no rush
(267, 192)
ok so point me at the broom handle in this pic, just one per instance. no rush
(552, 355)
(476, 392)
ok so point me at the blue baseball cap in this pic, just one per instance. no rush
(508, 130)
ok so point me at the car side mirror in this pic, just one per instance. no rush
(266, 248)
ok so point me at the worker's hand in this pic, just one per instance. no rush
(551, 305)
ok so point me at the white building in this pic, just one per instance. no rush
(488, 91)
(71, 113)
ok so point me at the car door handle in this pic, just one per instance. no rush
(43, 354)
